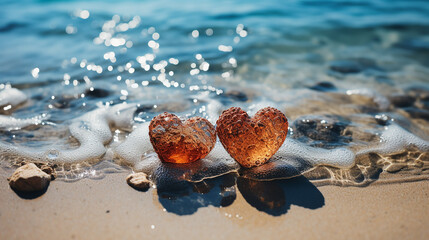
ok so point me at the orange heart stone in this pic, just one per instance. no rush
(176, 141)
(252, 141)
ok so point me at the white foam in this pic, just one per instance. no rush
(295, 158)
(12, 96)
(339, 157)
(135, 146)
(11, 123)
(214, 109)
(394, 139)
(92, 130)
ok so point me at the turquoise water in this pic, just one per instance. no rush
(343, 72)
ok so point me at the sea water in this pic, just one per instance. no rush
(81, 80)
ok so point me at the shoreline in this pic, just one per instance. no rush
(110, 209)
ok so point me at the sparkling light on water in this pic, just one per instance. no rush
(195, 33)
(35, 72)
(224, 48)
(84, 14)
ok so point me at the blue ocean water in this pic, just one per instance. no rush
(281, 38)
(340, 70)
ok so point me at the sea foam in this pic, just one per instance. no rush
(93, 131)
(12, 96)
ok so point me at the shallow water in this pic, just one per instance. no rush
(350, 76)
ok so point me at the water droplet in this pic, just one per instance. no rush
(52, 154)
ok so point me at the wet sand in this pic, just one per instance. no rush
(110, 209)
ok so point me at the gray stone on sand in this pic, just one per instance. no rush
(29, 178)
(139, 181)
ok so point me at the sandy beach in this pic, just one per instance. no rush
(110, 209)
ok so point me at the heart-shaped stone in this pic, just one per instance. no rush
(252, 141)
(176, 141)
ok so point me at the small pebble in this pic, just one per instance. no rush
(139, 181)
(29, 178)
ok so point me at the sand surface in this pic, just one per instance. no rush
(110, 209)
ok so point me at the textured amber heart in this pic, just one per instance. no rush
(181, 142)
(252, 141)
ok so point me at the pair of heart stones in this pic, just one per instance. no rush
(250, 141)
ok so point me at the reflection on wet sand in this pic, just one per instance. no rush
(272, 197)
(276, 197)
(186, 198)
